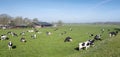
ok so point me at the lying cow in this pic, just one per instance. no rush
(4, 37)
(97, 37)
(22, 40)
(68, 39)
(10, 44)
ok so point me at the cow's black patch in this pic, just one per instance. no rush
(83, 44)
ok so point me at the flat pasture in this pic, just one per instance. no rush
(54, 46)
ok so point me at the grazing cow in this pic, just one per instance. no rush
(102, 30)
(22, 39)
(56, 29)
(22, 33)
(4, 37)
(30, 31)
(97, 37)
(112, 34)
(68, 39)
(9, 32)
(63, 33)
(48, 33)
(4, 28)
(33, 36)
(39, 32)
(10, 44)
(14, 34)
(36, 30)
(70, 29)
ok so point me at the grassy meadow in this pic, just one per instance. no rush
(54, 45)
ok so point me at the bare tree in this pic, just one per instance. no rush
(35, 20)
(18, 20)
(27, 20)
(59, 23)
(4, 19)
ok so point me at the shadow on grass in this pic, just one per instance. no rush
(77, 48)
(118, 29)
(13, 47)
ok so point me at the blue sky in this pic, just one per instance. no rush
(73, 11)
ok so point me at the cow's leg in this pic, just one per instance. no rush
(110, 35)
(80, 47)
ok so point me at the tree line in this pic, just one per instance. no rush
(6, 19)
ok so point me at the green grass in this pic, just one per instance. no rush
(54, 45)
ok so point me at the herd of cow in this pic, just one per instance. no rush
(83, 45)
(89, 43)
(22, 39)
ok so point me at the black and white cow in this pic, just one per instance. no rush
(102, 30)
(14, 34)
(23, 39)
(63, 33)
(36, 30)
(56, 29)
(70, 29)
(30, 31)
(4, 37)
(48, 33)
(68, 39)
(33, 36)
(86, 45)
(22, 33)
(91, 42)
(97, 37)
(10, 44)
(112, 34)
(9, 32)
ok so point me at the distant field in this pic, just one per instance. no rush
(54, 45)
